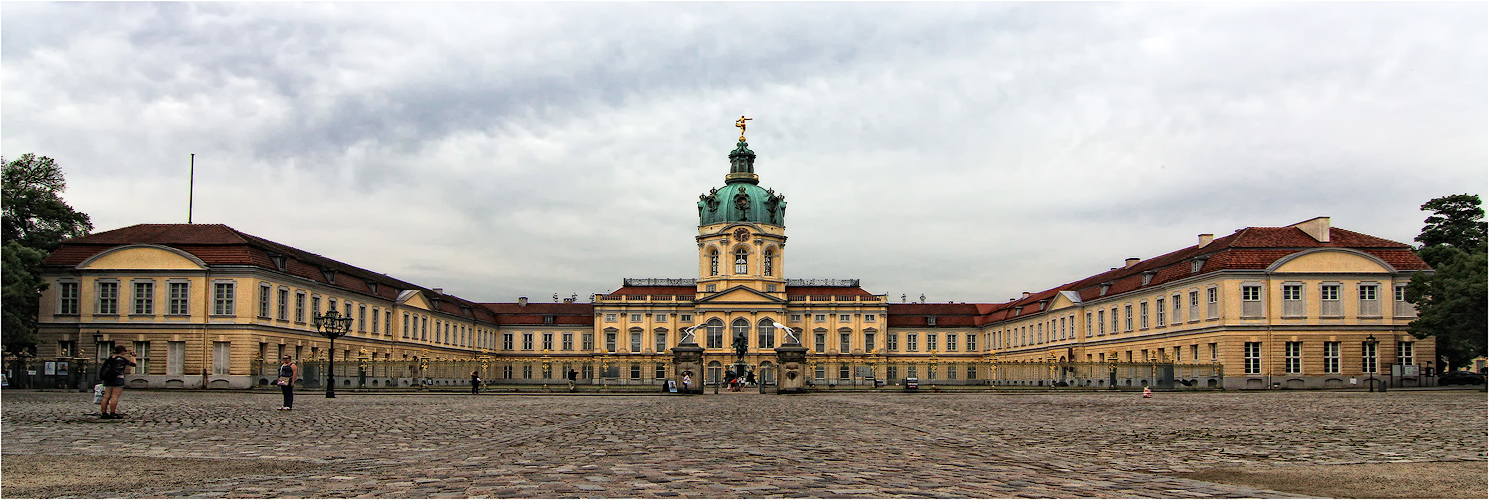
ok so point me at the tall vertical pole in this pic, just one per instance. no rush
(190, 187)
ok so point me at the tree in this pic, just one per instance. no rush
(35, 221)
(1457, 222)
(35, 215)
(1453, 302)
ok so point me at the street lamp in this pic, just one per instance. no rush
(332, 325)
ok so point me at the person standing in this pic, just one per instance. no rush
(687, 381)
(475, 382)
(288, 373)
(572, 376)
(112, 374)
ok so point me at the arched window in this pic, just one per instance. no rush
(769, 262)
(767, 332)
(713, 262)
(741, 261)
(715, 334)
(741, 333)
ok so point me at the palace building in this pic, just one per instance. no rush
(205, 305)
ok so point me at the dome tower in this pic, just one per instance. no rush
(741, 229)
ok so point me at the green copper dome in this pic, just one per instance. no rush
(742, 199)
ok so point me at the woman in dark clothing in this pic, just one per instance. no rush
(288, 373)
(475, 382)
(113, 381)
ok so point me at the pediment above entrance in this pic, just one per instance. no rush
(739, 295)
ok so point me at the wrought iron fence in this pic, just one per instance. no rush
(1109, 375)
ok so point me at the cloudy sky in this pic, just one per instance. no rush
(964, 151)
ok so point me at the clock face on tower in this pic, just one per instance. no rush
(741, 234)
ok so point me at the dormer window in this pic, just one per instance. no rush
(372, 285)
(278, 259)
(1104, 287)
(930, 321)
(1197, 264)
(1148, 277)
(330, 275)
(548, 320)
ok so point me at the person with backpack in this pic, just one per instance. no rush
(112, 376)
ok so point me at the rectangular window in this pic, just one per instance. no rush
(1369, 303)
(1367, 357)
(507, 341)
(1158, 308)
(845, 342)
(1212, 308)
(1403, 308)
(300, 309)
(1292, 301)
(222, 299)
(870, 318)
(527, 341)
(547, 341)
(1405, 354)
(892, 342)
(912, 342)
(635, 318)
(1127, 317)
(568, 341)
(67, 298)
(142, 358)
(610, 340)
(264, 300)
(1089, 324)
(1214, 352)
(971, 342)
(844, 373)
(951, 341)
(820, 318)
(796, 318)
(405, 325)
(587, 342)
(144, 297)
(221, 358)
(868, 342)
(1178, 308)
(374, 320)
(1331, 357)
(820, 372)
(1101, 322)
(930, 342)
(108, 297)
(821, 342)
(659, 317)
(1143, 314)
(635, 341)
(1292, 357)
(845, 318)
(685, 318)
(635, 371)
(283, 309)
(1193, 306)
(891, 372)
(1253, 357)
(387, 323)
(609, 317)
(362, 317)
(661, 341)
(1328, 301)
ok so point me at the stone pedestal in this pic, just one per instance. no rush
(688, 358)
(791, 377)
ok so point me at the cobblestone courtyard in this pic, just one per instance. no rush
(731, 445)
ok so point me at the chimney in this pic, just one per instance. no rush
(438, 291)
(1317, 227)
(1026, 295)
(522, 301)
(1205, 239)
(1131, 261)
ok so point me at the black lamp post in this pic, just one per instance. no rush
(1374, 356)
(332, 325)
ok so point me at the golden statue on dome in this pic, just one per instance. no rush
(741, 124)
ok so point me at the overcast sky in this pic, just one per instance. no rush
(963, 151)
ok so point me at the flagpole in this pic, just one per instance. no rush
(190, 187)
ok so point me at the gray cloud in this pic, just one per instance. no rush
(968, 151)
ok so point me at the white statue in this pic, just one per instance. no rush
(790, 334)
(687, 335)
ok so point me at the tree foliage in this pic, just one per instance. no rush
(35, 221)
(1453, 301)
(1457, 221)
(34, 213)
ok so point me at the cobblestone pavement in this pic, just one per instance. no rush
(1097, 445)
